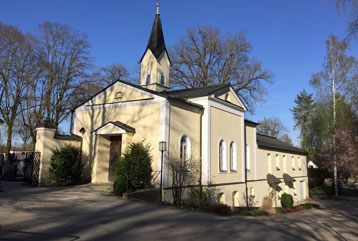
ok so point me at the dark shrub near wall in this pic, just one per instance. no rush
(134, 169)
(65, 166)
(286, 201)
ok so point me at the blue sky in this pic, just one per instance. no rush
(288, 36)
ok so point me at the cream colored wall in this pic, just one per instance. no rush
(184, 122)
(112, 93)
(226, 126)
(250, 140)
(45, 143)
(145, 120)
(230, 98)
(151, 65)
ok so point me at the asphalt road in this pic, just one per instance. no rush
(91, 212)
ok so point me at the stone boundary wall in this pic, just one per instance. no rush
(46, 141)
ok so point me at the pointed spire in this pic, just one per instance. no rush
(156, 41)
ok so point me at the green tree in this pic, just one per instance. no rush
(134, 169)
(205, 57)
(302, 113)
(338, 74)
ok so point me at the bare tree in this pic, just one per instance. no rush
(273, 126)
(338, 74)
(350, 9)
(64, 58)
(16, 67)
(204, 57)
(99, 80)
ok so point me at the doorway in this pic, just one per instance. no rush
(114, 154)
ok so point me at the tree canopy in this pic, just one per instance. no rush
(205, 57)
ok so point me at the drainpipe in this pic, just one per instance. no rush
(246, 191)
(201, 153)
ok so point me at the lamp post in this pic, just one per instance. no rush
(162, 149)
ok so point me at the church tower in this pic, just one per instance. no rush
(155, 61)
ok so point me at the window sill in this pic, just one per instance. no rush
(235, 171)
(222, 172)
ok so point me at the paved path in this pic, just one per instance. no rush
(91, 212)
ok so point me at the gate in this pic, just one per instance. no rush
(32, 168)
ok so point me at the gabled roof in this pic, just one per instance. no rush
(122, 128)
(199, 91)
(156, 42)
(272, 143)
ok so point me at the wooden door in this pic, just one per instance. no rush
(115, 153)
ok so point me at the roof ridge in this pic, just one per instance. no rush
(200, 87)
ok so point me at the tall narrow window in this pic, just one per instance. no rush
(284, 163)
(185, 148)
(248, 161)
(147, 79)
(269, 163)
(162, 79)
(222, 156)
(233, 162)
(299, 163)
(293, 163)
(277, 162)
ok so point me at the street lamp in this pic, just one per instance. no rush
(162, 149)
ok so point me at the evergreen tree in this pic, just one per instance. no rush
(302, 113)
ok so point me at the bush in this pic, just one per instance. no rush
(208, 196)
(65, 168)
(286, 200)
(221, 209)
(120, 185)
(135, 168)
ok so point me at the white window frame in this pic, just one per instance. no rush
(222, 168)
(248, 156)
(233, 156)
(188, 147)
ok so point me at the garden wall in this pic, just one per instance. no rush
(47, 140)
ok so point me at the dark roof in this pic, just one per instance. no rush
(1, 121)
(156, 42)
(272, 143)
(67, 137)
(119, 124)
(46, 124)
(251, 123)
(199, 91)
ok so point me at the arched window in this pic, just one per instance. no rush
(222, 156)
(221, 198)
(235, 199)
(148, 79)
(185, 148)
(233, 162)
(162, 79)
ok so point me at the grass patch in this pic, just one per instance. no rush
(317, 191)
(309, 206)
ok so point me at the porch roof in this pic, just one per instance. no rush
(117, 127)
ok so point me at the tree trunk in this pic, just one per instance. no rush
(334, 140)
(8, 141)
